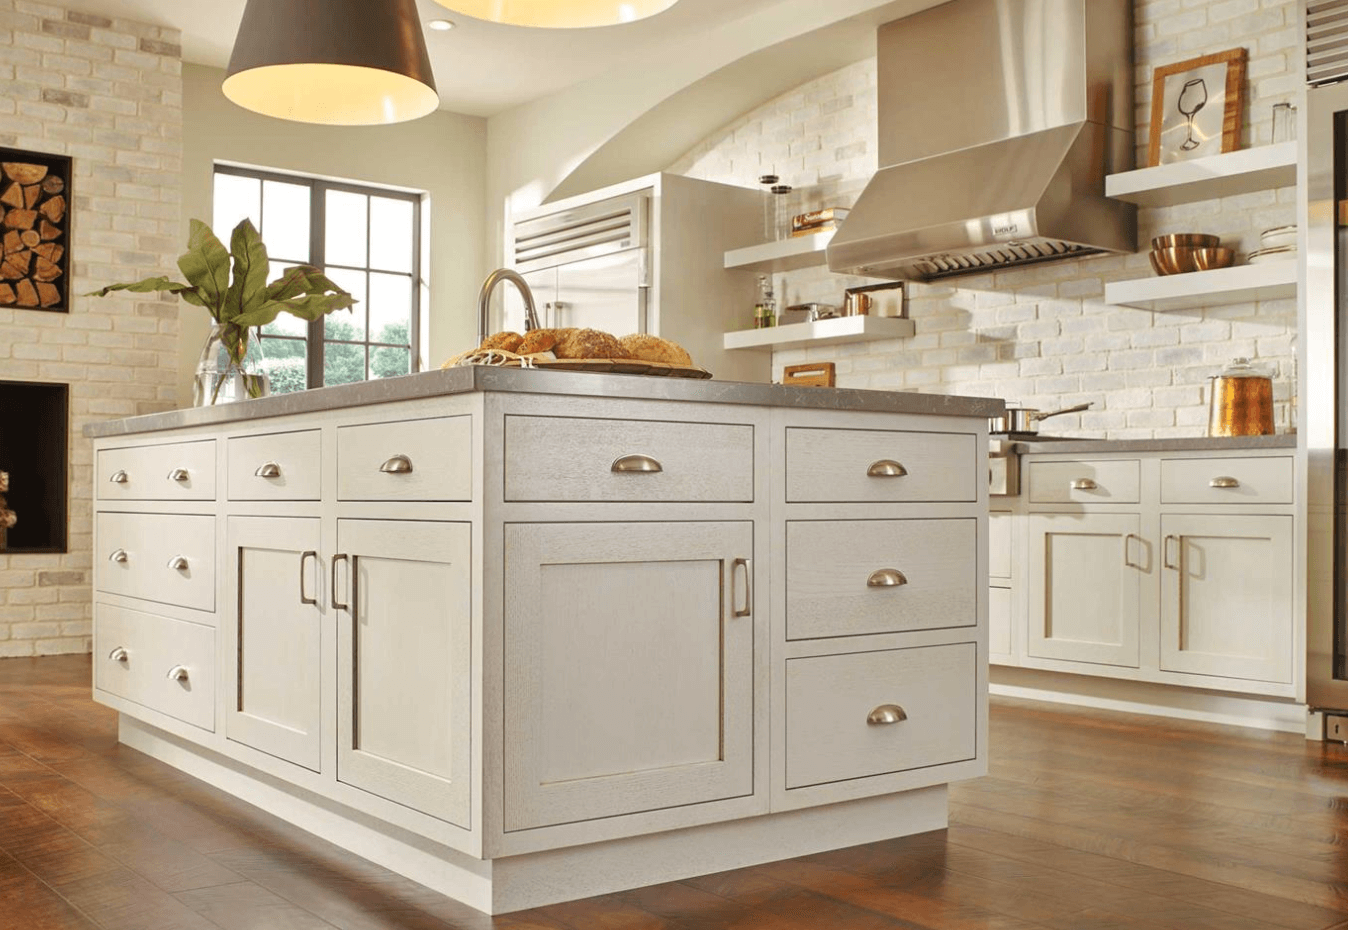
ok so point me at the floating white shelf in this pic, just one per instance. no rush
(1226, 175)
(785, 255)
(822, 333)
(1240, 284)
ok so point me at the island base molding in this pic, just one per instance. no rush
(500, 886)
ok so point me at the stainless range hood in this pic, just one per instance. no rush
(999, 120)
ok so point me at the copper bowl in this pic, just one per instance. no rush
(1186, 241)
(1174, 261)
(1207, 259)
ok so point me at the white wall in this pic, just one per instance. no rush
(1042, 335)
(443, 154)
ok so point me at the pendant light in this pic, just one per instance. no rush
(559, 14)
(338, 62)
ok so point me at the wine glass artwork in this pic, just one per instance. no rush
(1193, 97)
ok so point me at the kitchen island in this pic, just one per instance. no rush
(532, 636)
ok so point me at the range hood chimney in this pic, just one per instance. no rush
(999, 120)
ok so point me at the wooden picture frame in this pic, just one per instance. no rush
(1177, 131)
(36, 207)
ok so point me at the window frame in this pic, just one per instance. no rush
(315, 343)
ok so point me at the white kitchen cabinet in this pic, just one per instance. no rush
(1226, 596)
(629, 668)
(402, 607)
(1085, 577)
(273, 633)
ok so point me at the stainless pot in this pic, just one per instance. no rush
(1025, 419)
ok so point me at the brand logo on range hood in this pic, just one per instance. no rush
(1010, 229)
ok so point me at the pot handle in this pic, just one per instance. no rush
(1077, 409)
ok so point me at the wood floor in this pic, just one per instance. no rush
(1088, 821)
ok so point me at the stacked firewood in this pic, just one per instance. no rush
(33, 221)
(7, 517)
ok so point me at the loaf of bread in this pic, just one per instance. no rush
(588, 343)
(654, 349)
(539, 340)
(507, 340)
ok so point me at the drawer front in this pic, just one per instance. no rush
(1085, 482)
(831, 699)
(881, 466)
(178, 471)
(411, 460)
(584, 459)
(275, 467)
(999, 545)
(167, 665)
(858, 577)
(1227, 481)
(168, 558)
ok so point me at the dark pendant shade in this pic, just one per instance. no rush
(338, 62)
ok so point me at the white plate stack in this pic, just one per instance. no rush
(1278, 244)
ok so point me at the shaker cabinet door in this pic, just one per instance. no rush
(629, 668)
(273, 681)
(403, 666)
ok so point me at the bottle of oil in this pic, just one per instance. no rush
(765, 311)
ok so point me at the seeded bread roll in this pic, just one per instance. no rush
(589, 343)
(654, 349)
(507, 340)
(539, 340)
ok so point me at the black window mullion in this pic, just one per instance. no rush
(414, 324)
(318, 247)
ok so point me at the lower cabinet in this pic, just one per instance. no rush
(1226, 596)
(403, 607)
(1085, 577)
(629, 664)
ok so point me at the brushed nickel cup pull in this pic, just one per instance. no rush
(269, 470)
(886, 578)
(306, 601)
(178, 563)
(886, 468)
(748, 608)
(336, 604)
(1165, 553)
(118, 555)
(886, 714)
(179, 474)
(1084, 484)
(636, 464)
(119, 477)
(1224, 481)
(398, 465)
(119, 654)
(178, 673)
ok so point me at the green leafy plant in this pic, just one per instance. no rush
(232, 286)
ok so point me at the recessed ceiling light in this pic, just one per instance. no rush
(439, 25)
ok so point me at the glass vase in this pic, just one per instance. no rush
(220, 380)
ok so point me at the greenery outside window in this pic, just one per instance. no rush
(366, 239)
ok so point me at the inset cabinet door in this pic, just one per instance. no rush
(273, 625)
(1085, 577)
(403, 664)
(1226, 596)
(629, 668)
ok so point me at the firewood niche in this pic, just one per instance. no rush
(34, 230)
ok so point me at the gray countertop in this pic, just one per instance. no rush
(580, 384)
(1195, 444)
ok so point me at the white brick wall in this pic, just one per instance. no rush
(108, 93)
(1042, 335)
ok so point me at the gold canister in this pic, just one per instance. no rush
(1240, 401)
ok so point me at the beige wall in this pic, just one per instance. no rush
(443, 155)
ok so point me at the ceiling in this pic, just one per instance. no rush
(481, 68)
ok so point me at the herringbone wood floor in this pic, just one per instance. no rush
(1088, 821)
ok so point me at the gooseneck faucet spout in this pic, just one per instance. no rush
(484, 300)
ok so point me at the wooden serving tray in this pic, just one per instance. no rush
(617, 366)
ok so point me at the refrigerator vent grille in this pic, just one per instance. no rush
(613, 225)
(1326, 41)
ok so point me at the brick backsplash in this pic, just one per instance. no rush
(107, 92)
(1042, 335)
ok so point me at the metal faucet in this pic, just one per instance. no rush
(484, 300)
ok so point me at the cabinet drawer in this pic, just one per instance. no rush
(168, 558)
(275, 467)
(1085, 482)
(412, 460)
(178, 471)
(831, 699)
(855, 577)
(584, 459)
(881, 466)
(167, 665)
(1227, 481)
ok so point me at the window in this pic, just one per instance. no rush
(367, 240)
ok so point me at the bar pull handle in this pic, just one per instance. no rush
(887, 578)
(886, 714)
(1129, 563)
(1224, 481)
(886, 468)
(397, 465)
(179, 474)
(748, 608)
(305, 556)
(1084, 484)
(1165, 553)
(119, 477)
(337, 604)
(268, 470)
(119, 555)
(636, 464)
